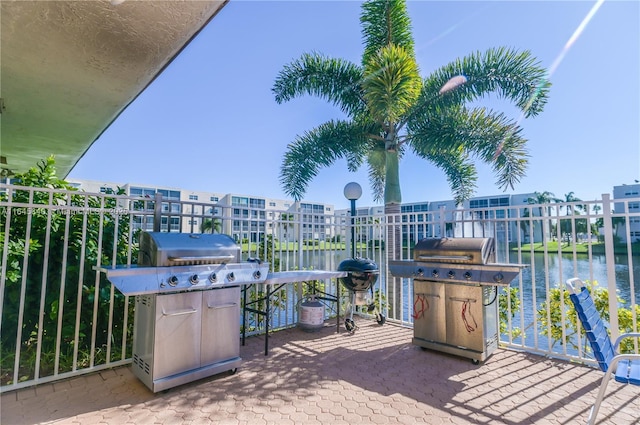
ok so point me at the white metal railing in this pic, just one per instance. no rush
(60, 318)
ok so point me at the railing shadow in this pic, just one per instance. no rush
(334, 377)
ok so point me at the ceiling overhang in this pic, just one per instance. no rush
(69, 68)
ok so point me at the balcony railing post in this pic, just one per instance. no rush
(157, 213)
(611, 265)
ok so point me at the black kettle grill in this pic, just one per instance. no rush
(362, 274)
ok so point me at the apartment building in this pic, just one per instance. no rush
(631, 211)
(244, 217)
(250, 217)
(476, 217)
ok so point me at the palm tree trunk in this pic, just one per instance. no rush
(393, 246)
(392, 201)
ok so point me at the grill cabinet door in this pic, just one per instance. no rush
(178, 324)
(465, 317)
(429, 311)
(220, 325)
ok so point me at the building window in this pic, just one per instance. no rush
(170, 194)
(478, 203)
(499, 202)
(143, 192)
(193, 197)
(214, 199)
(256, 203)
(238, 201)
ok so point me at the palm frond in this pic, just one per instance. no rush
(461, 173)
(376, 161)
(513, 75)
(385, 22)
(391, 84)
(488, 136)
(319, 148)
(335, 80)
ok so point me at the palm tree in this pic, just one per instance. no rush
(211, 225)
(570, 197)
(390, 109)
(565, 226)
(286, 222)
(542, 199)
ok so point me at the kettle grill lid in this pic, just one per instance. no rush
(358, 265)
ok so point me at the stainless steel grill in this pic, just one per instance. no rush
(455, 294)
(187, 310)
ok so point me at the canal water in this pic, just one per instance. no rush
(545, 273)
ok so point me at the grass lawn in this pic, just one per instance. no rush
(293, 246)
(568, 247)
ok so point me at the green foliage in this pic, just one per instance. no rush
(93, 229)
(559, 302)
(508, 301)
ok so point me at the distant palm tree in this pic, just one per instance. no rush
(565, 225)
(286, 220)
(211, 225)
(570, 197)
(543, 200)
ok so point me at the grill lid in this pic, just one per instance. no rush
(362, 273)
(160, 249)
(455, 250)
(467, 261)
(177, 262)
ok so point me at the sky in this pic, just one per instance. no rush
(210, 122)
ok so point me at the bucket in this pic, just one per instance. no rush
(311, 315)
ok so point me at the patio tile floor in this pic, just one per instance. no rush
(374, 376)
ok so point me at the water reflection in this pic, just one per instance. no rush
(553, 270)
(546, 271)
(542, 274)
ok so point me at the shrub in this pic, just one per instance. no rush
(73, 289)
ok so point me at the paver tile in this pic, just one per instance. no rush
(373, 376)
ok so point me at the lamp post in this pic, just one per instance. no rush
(353, 191)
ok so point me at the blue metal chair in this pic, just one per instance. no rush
(624, 367)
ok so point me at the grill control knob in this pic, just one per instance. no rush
(451, 274)
(420, 272)
(173, 280)
(435, 273)
(498, 277)
(467, 275)
(257, 274)
(194, 279)
(231, 277)
(213, 278)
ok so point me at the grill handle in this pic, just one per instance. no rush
(445, 257)
(180, 312)
(215, 307)
(212, 258)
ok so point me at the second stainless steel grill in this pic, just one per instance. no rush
(455, 294)
(187, 310)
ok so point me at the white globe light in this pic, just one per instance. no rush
(352, 191)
